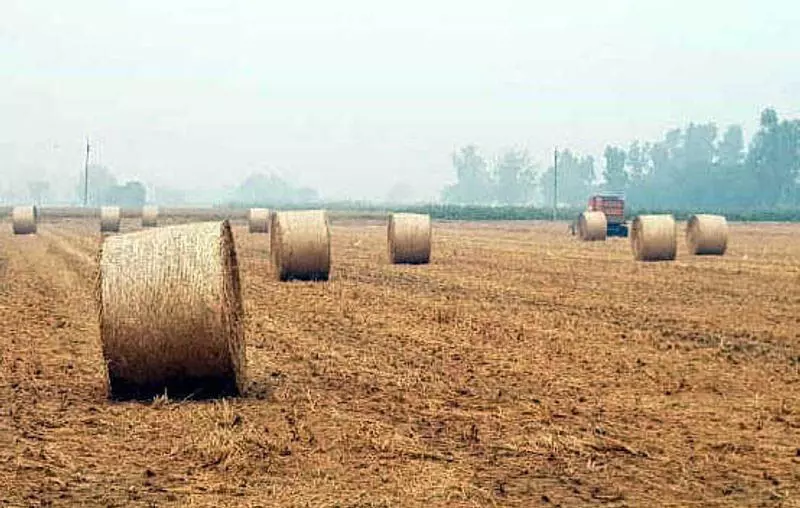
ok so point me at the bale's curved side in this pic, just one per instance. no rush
(149, 216)
(110, 218)
(592, 226)
(300, 242)
(707, 235)
(258, 220)
(24, 219)
(409, 238)
(171, 312)
(653, 238)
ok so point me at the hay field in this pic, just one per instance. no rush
(520, 368)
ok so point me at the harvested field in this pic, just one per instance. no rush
(520, 368)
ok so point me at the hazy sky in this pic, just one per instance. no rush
(350, 96)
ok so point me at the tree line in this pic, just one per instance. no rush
(692, 167)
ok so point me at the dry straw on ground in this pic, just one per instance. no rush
(258, 220)
(707, 234)
(24, 219)
(171, 312)
(592, 226)
(653, 238)
(409, 238)
(300, 242)
(110, 217)
(149, 216)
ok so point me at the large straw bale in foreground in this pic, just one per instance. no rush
(592, 226)
(653, 238)
(24, 219)
(707, 234)
(409, 236)
(300, 242)
(149, 216)
(258, 220)
(171, 312)
(110, 217)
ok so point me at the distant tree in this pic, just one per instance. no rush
(38, 191)
(774, 159)
(688, 168)
(614, 173)
(695, 176)
(301, 195)
(730, 150)
(516, 177)
(637, 162)
(400, 192)
(733, 185)
(575, 179)
(262, 188)
(474, 183)
(101, 181)
(132, 194)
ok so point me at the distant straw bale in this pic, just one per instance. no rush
(653, 238)
(149, 216)
(409, 238)
(110, 218)
(171, 312)
(592, 226)
(24, 219)
(258, 220)
(300, 242)
(707, 234)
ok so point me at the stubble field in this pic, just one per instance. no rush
(520, 368)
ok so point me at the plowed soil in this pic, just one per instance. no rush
(520, 368)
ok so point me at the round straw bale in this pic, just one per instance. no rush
(149, 216)
(707, 234)
(24, 219)
(409, 236)
(258, 220)
(653, 238)
(171, 312)
(592, 226)
(110, 217)
(300, 242)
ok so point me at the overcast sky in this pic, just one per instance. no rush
(352, 96)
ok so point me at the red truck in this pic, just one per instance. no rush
(613, 205)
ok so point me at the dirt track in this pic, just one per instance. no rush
(520, 368)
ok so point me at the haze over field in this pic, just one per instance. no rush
(351, 98)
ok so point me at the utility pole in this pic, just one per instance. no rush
(555, 184)
(86, 176)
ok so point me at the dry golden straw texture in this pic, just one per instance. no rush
(300, 242)
(110, 217)
(258, 220)
(171, 312)
(409, 238)
(653, 238)
(149, 216)
(707, 234)
(23, 220)
(592, 226)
